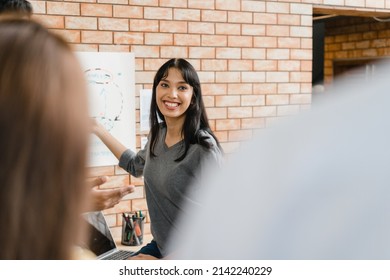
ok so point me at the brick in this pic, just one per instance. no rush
(120, 171)
(307, 43)
(234, 89)
(216, 113)
(284, 19)
(222, 136)
(240, 65)
(141, 25)
(227, 101)
(84, 47)
(146, 51)
(209, 101)
(228, 53)
(253, 6)
(301, 9)
(301, 31)
(265, 65)
(288, 42)
(206, 76)
(265, 18)
(71, 36)
(303, 77)
(214, 65)
(253, 100)
(239, 112)
(115, 24)
(214, 89)
(81, 23)
(229, 124)
(307, 20)
(158, 39)
(144, 77)
(277, 77)
(306, 65)
(130, 38)
(97, 10)
(277, 7)
(63, 8)
(107, 1)
(139, 204)
(253, 53)
(278, 54)
(228, 77)
(102, 37)
(240, 41)
(144, 2)
(234, 5)
(195, 63)
(334, 2)
(186, 14)
(173, 3)
(39, 7)
(114, 48)
(186, 40)
(213, 16)
(289, 65)
(136, 181)
(264, 111)
(169, 52)
(228, 28)
(214, 40)
(240, 17)
(265, 88)
(201, 4)
(56, 22)
(288, 88)
(201, 28)
(253, 29)
(158, 13)
(100, 171)
(279, 99)
(253, 77)
(253, 123)
(375, 3)
(173, 26)
(129, 12)
(201, 52)
(277, 30)
(300, 98)
(265, 42)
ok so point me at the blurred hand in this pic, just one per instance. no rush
(106, 198)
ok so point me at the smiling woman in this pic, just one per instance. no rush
(181, 145)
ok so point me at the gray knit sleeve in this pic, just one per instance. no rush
(133, 162)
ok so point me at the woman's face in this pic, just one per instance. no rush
(173, 95)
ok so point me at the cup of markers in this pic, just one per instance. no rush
(132, 228)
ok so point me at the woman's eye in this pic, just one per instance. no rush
(182, 88)
(164, 85)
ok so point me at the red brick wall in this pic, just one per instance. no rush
(254, 58)
(355, 38)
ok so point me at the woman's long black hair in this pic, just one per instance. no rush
(196, 117)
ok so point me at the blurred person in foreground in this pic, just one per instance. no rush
(315, 186)
(44, 136)
(102, 198)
